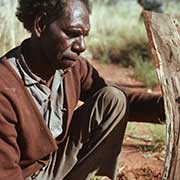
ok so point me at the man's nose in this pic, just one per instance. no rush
(79, 45)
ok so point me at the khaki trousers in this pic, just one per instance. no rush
(94, 141)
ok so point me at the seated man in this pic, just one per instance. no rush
(43, 135)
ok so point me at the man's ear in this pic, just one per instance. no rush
(40, 23)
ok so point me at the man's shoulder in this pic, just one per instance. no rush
(83, 63)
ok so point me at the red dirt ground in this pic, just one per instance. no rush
(134, 164)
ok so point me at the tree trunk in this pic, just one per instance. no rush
(164, 39)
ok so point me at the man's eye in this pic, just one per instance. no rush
(72, 34)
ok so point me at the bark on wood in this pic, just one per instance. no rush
(164, 41)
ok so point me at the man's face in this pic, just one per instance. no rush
(63, 39)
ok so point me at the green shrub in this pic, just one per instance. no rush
(118, 36)
(116, 31)
(144, 70)
(158, 136)
(153, 134)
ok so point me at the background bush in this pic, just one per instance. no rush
(118, 36)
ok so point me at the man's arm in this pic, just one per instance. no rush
(91, 82)
(9, 149)
(145, 107)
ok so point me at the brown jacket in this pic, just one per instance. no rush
(24, 136)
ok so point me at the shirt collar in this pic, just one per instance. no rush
(28, 76)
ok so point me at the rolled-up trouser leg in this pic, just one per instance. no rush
(94, 139)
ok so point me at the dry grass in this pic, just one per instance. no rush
(11, 31)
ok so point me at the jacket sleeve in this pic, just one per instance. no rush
(145, 107)
(9, 149)
(91, 81)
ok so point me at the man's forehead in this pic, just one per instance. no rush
(76, 12)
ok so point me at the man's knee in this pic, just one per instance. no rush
(113, 98)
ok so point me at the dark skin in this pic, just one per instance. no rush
(58, 44)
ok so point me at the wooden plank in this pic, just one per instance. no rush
(164, 40)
